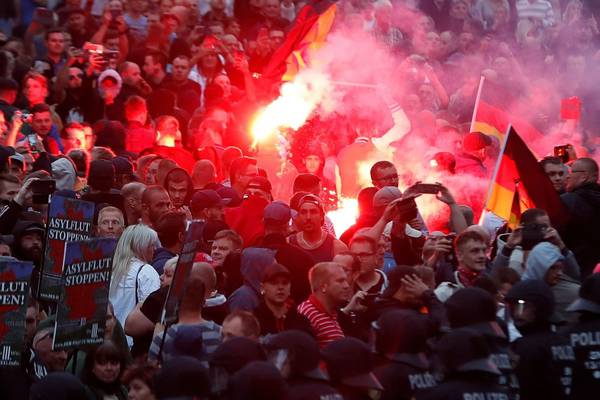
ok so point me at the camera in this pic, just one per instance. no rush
(42, 189)
(427, 188)
(531, 235)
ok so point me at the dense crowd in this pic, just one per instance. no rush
(144, 108)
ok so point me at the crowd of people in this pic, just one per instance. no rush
(144, 108)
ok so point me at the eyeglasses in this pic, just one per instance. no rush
(362, 256)
(388, 178)
(73, 77)
(574, 171)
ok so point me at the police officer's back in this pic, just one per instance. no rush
(584, 336)
(476, 309)
(403, 367)
(469, 372)
(298, 353)
(546, 359)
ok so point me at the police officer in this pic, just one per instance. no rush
(475, 308)
(469, 372)
(585, 339)
(403, 368)
(297, 355)
(350, 366)
(546, 359)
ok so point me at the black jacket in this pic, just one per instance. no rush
(581, 234)
(584, 336)
(271, 325)
(437, 318)
(545, 367)
(403, 375)
(471, 385)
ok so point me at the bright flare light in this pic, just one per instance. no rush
(298, 99)
(345, 216)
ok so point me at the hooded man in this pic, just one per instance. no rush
(63, 172)
(548, 264)
(253, 263)
(546, 359)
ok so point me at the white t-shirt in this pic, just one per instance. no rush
(124, 298)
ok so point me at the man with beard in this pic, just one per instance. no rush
(68, 109)
(155, 202)
(321, 245)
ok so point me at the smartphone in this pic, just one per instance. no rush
(33, 141)
(42, 189)
(43, 16)
(427, 188)
(93, 48)
(531, 235)
(562, 152)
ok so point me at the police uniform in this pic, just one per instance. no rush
(584, 337)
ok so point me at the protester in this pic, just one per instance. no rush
(391, 192)
(133, 279)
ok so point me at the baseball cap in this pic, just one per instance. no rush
(274, 270)
(261, 183)
(101, 175)
(474, 141)
(310, 199)
(122, 166)
(207, 198)
(278, 212)
(589, 296)
(385, 196)
(350, 362)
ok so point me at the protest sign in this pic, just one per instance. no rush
(184, 265)
(68, 220)
(81, 312)
(14, 291)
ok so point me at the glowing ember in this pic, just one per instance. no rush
(345, 216)
(297, 101)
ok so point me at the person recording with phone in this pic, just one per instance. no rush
(514, 248)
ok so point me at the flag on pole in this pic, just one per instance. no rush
(492, 120)
(307, 34)
(519, 183)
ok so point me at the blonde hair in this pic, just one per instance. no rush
(132, 244)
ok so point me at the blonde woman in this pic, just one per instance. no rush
(133, 279)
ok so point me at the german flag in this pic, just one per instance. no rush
(307, 34)
(519, 184)
(493, 121)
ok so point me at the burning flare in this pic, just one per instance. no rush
(298, 99)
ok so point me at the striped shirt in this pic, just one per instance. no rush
(197, 340)
(325, 325)
(539, 9)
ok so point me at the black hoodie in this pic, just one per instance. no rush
(581, 234)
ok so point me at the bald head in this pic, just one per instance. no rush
(583, 171)
(130, 73)
(204, 173)
(133, 189)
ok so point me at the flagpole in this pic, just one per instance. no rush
(477, 99)
(496, 169)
